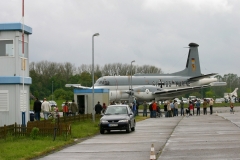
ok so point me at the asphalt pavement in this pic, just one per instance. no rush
(215, 136)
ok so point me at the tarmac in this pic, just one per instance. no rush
(215, 136)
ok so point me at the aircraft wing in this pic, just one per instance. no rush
(76, 86)
(201, 77)
(179, 90)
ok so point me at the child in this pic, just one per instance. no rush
(231, 108)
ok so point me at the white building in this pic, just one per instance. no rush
(14, 74)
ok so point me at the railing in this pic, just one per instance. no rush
(46, 127)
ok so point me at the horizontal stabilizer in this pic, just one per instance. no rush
(218, 84)
(201, 77)
(76, 86)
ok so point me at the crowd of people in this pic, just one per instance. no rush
(170, 108)
(46, 109)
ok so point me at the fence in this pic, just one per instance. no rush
(46, 127)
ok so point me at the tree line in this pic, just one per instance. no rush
(49, 78)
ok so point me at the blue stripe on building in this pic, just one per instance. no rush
(15, 27)
(15, 80)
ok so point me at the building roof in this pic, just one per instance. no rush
(15, 27)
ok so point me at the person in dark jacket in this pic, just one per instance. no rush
(37, 109)
(98, 108)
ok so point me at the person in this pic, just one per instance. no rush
(98, 108)
(144, 109)
(137, 106)
(182, 108)
(191, 108)
(130, 105)
(211, 106)
(46, 108)
(134, 108)
(56, 113)
(158, 111)
(37, 109)
(104, 108)
(176, 107)
(205, 107)
(231, 108)
(193, 103)
(169, 110)
(154, 109)
(172, 108)
(151, 111)
(81, 109)
(165, 108)
(65, 109)
(187, 112)
(73, 107)
(198, 107)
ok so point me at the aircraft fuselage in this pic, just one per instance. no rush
(119, 86)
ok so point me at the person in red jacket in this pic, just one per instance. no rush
(154, 109)
(191, 108)
(65, 109)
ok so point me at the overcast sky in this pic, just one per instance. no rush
(151, 32)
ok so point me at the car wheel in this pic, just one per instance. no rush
(129, 128)
(102, 131)
(133, 128)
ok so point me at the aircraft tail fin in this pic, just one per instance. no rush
(193, 64)
(234, 93)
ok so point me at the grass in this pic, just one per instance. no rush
(24, 148)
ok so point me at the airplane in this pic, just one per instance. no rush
(231, 96)
(151, 86)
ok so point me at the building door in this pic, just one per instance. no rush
(81, 103)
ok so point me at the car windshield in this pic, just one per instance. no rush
(116, 110)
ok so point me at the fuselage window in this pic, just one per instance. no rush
(153, 83)
(106, 82)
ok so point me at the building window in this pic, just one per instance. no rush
(6, 48)
(4, 99)
(25, 55)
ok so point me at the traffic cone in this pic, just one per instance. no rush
(152, 153)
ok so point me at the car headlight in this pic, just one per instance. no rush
(124, 120)
(104, 121)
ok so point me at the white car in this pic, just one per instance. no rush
(219, 100)
(52, 103)
(178, 100)
(185, 100)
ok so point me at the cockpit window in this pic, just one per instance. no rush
(102, 82)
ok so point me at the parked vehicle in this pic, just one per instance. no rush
(117, 117)
(185, 100)
(219, 100)
(52, 103)
(178, 100)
